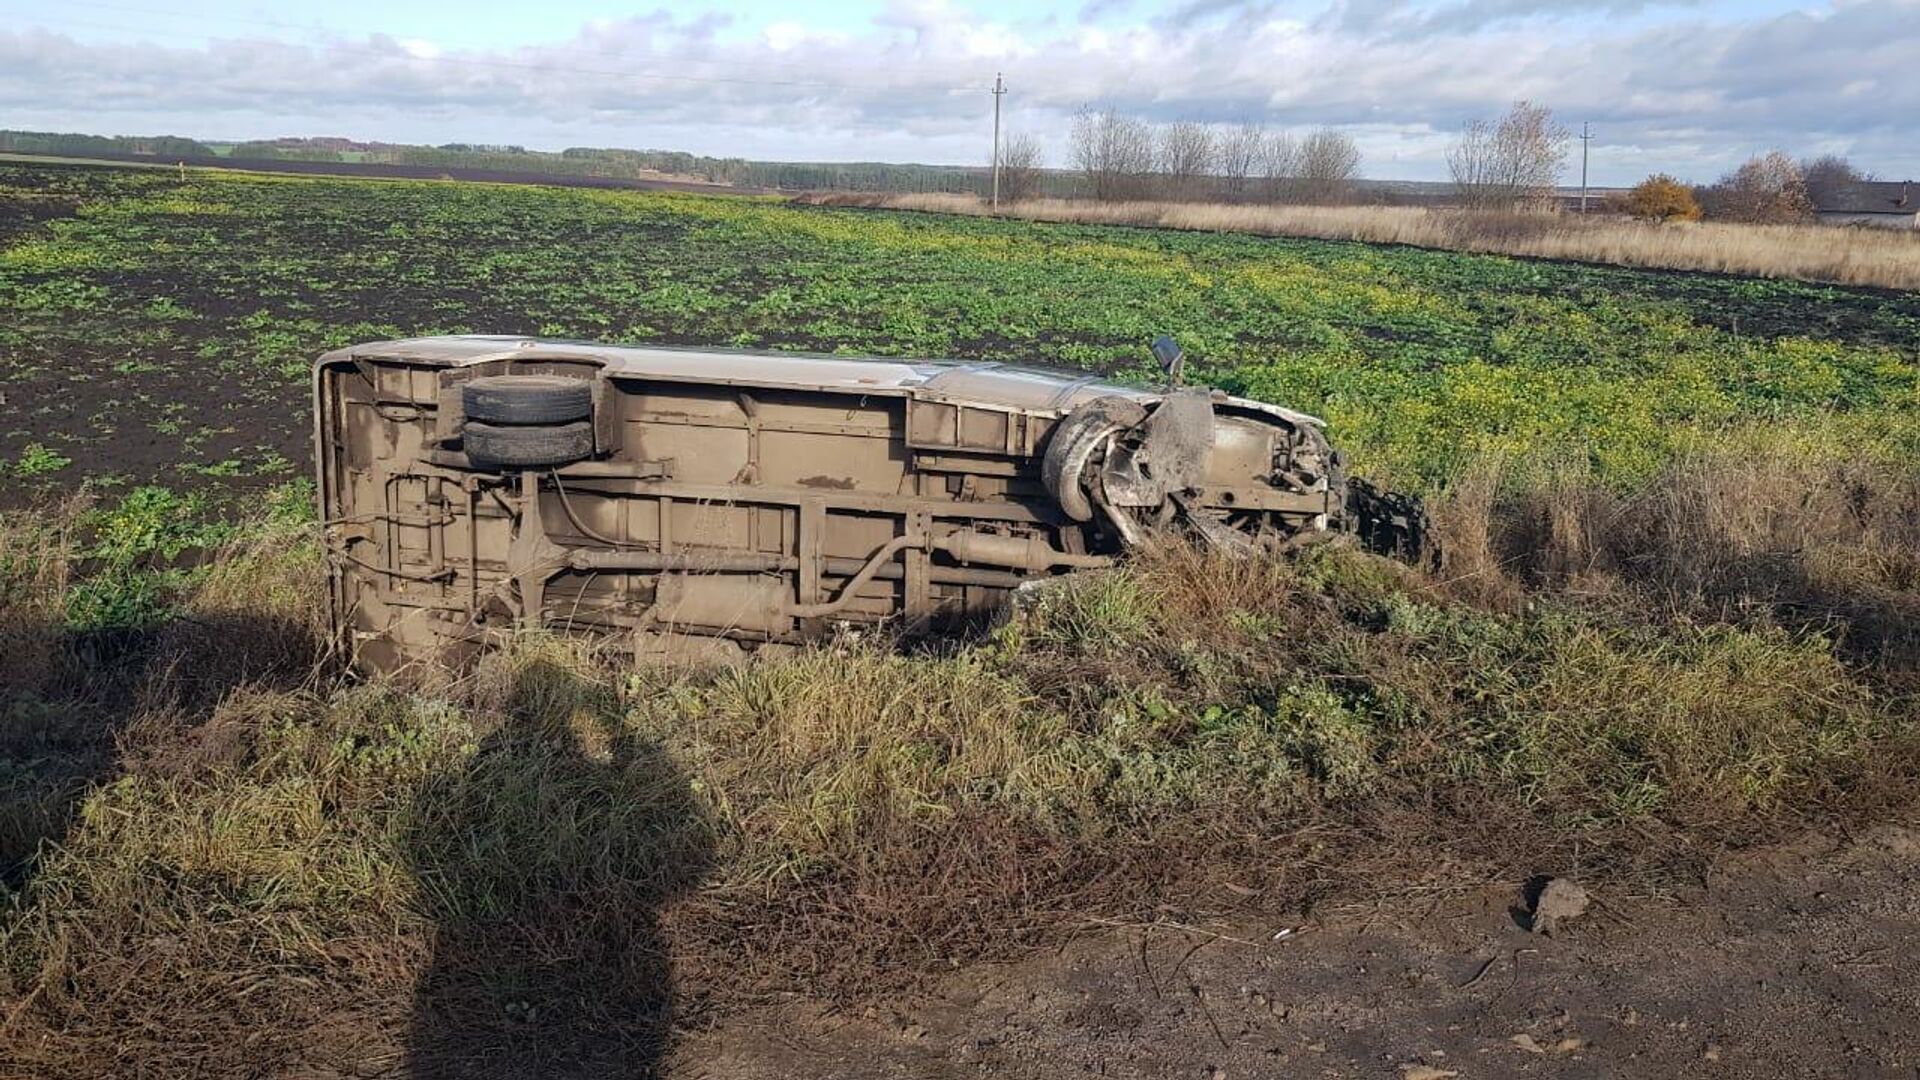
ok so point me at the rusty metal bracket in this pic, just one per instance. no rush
(532, 557)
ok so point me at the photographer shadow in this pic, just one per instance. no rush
(547, 860)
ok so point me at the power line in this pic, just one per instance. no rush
(562, 69)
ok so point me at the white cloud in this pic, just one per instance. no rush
(421, 47)
(1674, 88)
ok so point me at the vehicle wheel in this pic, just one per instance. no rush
(495, 446)
(1072, 445)
(527, 399)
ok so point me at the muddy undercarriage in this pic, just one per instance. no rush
(707, 504)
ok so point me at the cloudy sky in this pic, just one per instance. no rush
(1685, 86)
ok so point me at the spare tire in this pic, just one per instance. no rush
(506, 447)
(527, 399)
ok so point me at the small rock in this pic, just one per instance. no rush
(1560, 901)
(1424, 1072)
(1567, 1046)
(1526, 1042)
(1711, 1053)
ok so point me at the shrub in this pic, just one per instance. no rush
(1661, 198)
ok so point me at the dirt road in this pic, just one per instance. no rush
(1803, 961)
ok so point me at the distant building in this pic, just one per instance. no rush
(1889, 204)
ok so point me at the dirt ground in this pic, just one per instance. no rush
(1801, 961)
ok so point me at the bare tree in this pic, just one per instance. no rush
(1279, 166)
(1087, 149)
(1021, 161)
(1329, 161)
(1238, 157)
(1135, 159)
(1828, 175)
(1185, 160)
(1510, 163)
(1765, 190)
(1112, 152)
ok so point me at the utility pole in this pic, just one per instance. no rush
(999, 89)
(1586, 140)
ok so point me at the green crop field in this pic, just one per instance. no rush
(1678, 612)
(160, 328)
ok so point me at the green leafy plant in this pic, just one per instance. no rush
(135, 548)
(38, 460)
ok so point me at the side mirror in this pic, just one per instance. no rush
(1172, 360)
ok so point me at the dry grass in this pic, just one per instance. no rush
(36, 564)
(1756, 528)
(544, 865)
(1878, 257)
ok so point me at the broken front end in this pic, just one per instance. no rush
(705, 504)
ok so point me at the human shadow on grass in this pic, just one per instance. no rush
(547, 860)
(76, 705)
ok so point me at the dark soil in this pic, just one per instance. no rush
(1797, 961)
(1762, 308)
(21, 218)
(157, 422)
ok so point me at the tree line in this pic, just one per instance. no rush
(1517, 160)
(1766, 189)
(1514, 162)
(73, 144)
(1113, 157)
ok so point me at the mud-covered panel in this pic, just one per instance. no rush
(700, 454)
(941, 425)
(768, 514)
(826, 463)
